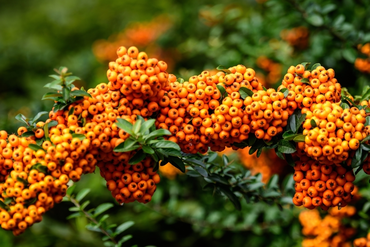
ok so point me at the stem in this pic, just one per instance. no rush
(92, 219)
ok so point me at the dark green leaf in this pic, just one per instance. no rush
(315, 66)
(81, 93)
(366, 93)
(201, 171)
(222, 90)
(157, 133)
(212, 156)
(285, 91)
(365, 147)
(125, 125)
(367, 138)
(23, 181)
(305, 81)
(280, 155)
(313, 123)
(367, 123)
(35, 147)
(66, 94)
(293, 123)
(286, 147)
(169, 152)
(28, 134)
(306, 64)
(177, 162)
(328, 8)
(223, 69)
(245, 92)
(147, 149)
(71, 111)
(51, 96)
(166, 144)
(3, 205)
(217, 178)
(232, 197)
(138, 157)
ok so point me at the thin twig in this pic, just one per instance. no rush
(92, 219)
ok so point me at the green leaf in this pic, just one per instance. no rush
(23, 181)
(366, 93)
(71, 111)
(74, 215)
(305, 80)
(102, 208)
(212, 156)
(81, 194)
(124, 239)
(293, 123)
(367, 121)
(137, 126)
(79, 136)
(288, 135)
(81, 93)
(166, 144)
(313, 123)
(349, 54)
(224, 69)
(28, 134)
(245, 92)
(3, 206)
(125, 125)
(315, 20)
(315, 66)
(39, 167)
(126, 145)
(201, 171)
(146, 126)
(147, 149)
(21, 118)
(299, 138)
(169, 152)
(37, 117)
(273, 182)
(232, 197)
(328, 8)
(66, 94)
(51, 96)
(286, 147)
(367, 138)
(217, 178)
(35, 147)
(56, 85)
(222, 91)
(356, 160)
(280, 155)
(157, 133)
(138, 157)
(306, 64)
(71, 189)
(177, 162)
(285, 91)
(70, 79)
(225, 160)
(123, 227)
(84, 205)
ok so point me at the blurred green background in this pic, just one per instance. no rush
(269, 36)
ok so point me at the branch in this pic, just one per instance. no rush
(92, 219)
